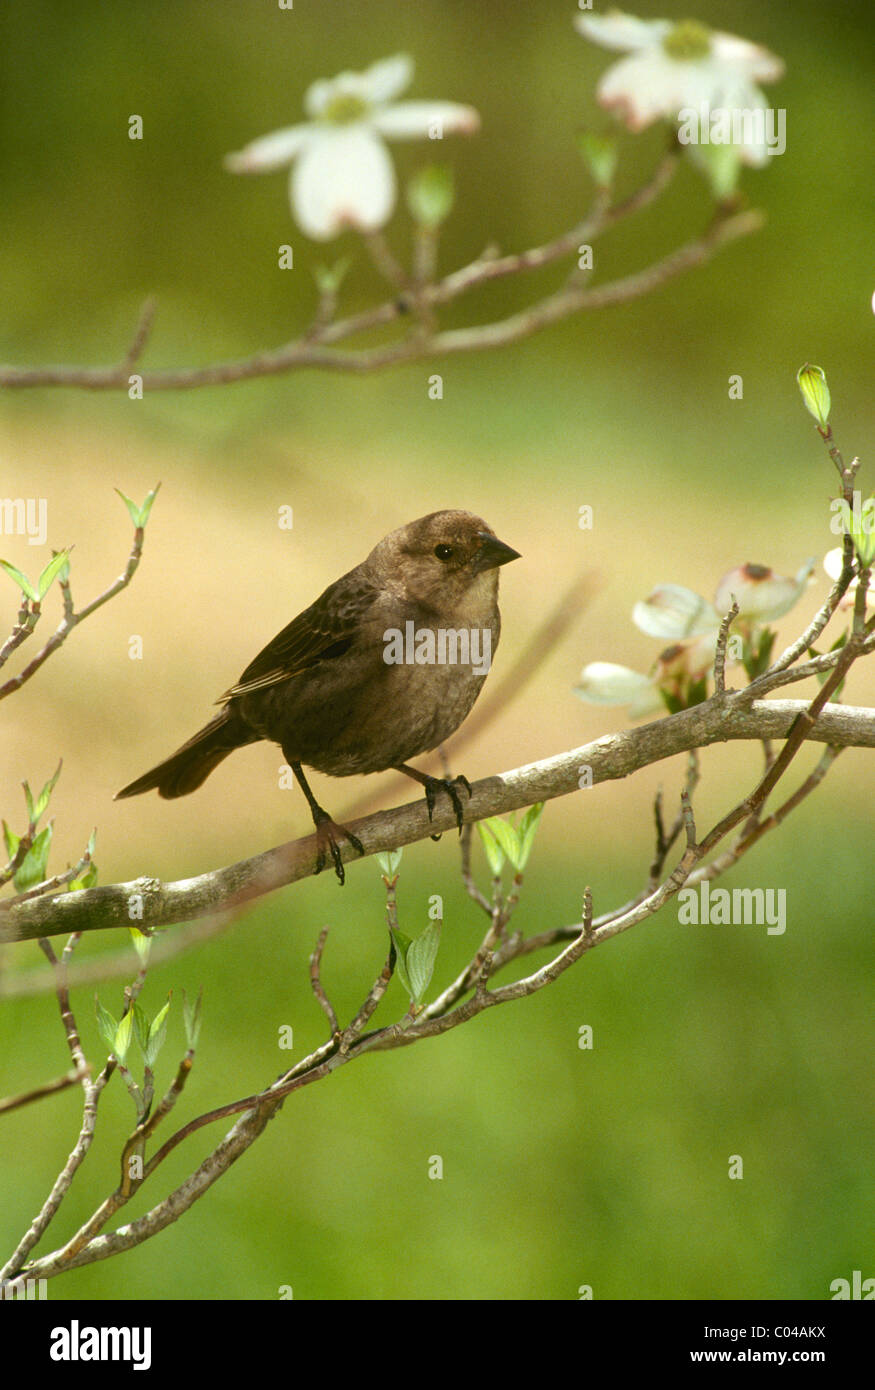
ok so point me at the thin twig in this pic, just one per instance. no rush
(28, 617)
(48, 1088)
(314, 349)
(720, 652)
(71, 620)
(141, 335)
(316, 982)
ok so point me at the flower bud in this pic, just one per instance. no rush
(815, 392)
(600, 155)
(430, 195)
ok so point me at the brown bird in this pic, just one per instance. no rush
(384, 666)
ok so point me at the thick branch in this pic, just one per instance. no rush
(614, 756)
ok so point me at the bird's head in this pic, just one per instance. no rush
(442, 561)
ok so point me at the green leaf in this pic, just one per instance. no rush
(528, 829)
(139, 515)
(133, 509)
(865, 548)
(673, 703)
(37, 808)
(141, 1026)
(863, 533)
(430, 195)
(493, 851)
(697, 692)
(142, 944)
(106, 1023)
(823, 676)
(32, 869)
(157, 1034)
(191, 1017)
(756, 659)
(147, 505)
(506, 837)
(421, 956)
(389, 861)
(12, 840)
(85, 880)
(402, 945)
(122, 1040)
(51, 571)
(21, 580)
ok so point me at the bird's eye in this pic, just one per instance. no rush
(443, 552)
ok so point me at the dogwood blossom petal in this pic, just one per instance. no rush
(414, 120)
(373, 87)
(270, 151)
(762, 595)
(344, 178)
(622, 31)
(674, 613)
(647, 87)
(605, 683)
(755, 60)
(386, 78)
(833, 563)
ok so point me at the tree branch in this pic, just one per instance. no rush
(314, 348)
(225, 890)
(71, 619)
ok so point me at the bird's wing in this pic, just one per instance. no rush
(322, 632)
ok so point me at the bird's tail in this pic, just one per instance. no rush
(192, 764)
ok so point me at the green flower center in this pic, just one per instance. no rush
(345, 108)
(688, 41)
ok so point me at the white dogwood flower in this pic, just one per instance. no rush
(761, 595)
(692, 625)
(675, 68)
(342, 174)
(606, 683)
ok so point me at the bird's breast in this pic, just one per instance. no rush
(402, 688)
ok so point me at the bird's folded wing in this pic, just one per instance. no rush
(322, 632)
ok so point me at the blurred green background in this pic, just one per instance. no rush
(562, 1167)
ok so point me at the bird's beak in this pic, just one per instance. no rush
(492, 552)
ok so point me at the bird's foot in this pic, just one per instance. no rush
(450, 785)
(435, 784)
(328, 836)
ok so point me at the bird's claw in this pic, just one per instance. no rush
(326, 842)
(449, 785)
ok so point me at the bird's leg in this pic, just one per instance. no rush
(435, 784)
(325, 828)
